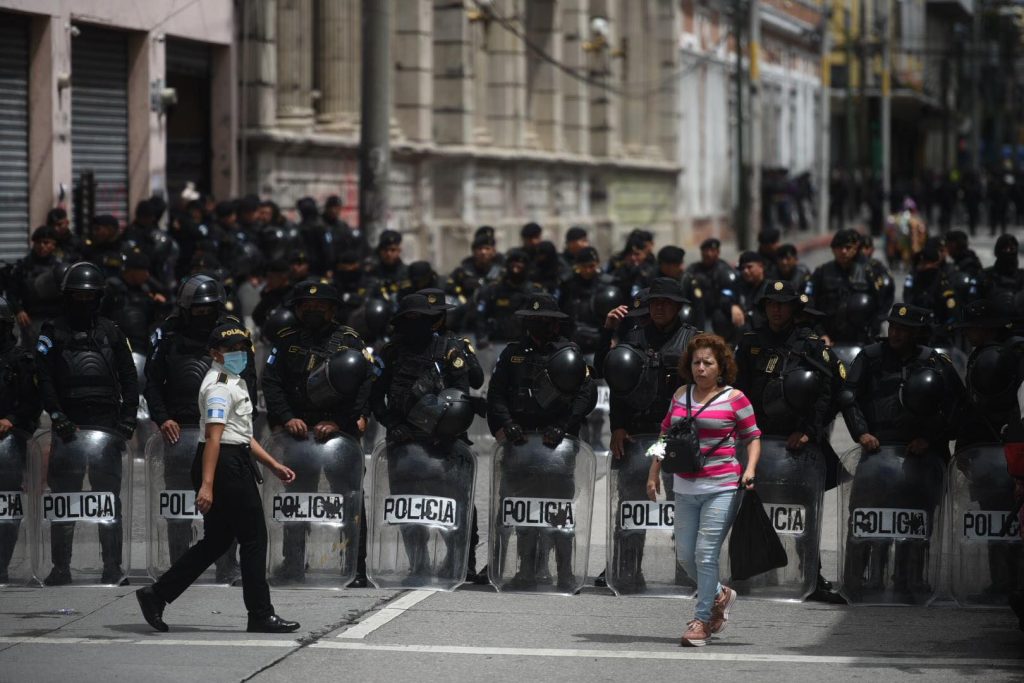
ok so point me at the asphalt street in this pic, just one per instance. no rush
(96, 634)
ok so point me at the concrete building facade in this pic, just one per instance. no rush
(562, 112)
(86, 92)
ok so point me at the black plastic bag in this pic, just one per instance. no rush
(754, 547)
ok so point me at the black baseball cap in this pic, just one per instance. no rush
(671, 254)
(711, 243)
(227, 335)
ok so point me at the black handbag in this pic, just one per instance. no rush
(682, 442)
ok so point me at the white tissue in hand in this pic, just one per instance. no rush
(657, 450)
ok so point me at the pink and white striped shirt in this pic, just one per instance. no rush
(731, 411)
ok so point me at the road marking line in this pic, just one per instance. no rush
(675, 655)
(390, 611)
(154, 640)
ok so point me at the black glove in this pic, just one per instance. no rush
(553, 436)
(126, 428)
(62, 426)
(400, 433)
(514, 433)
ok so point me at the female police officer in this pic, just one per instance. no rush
(225, 481)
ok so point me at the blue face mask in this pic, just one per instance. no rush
(235, 361)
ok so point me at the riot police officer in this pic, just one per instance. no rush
(884, 283)
(19, 408)
(34, 285)
(789, 267)
(905, 395)
(420, 364)
(1005, 275)
(175, 368)
(476, 271)
(386, 272)
(670, 264)
(641, 372)
(134, 300)
(787, 372)
(299, 351)
(844, 290)
(930, 287)
(494, 319)
(104, 247)
(753, 279)
(86, 378)
(720, 285)
(583, 294)
(520, 401)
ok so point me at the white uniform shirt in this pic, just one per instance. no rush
(224, 399)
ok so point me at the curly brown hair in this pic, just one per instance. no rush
(719, 347)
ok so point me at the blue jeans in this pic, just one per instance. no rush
(702, 521)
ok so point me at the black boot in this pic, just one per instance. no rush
(62, 538)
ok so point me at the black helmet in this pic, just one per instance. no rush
(280, 319)
(922, 392)
(564, 374)
(378, 315)
(794, 392)
(860, 307)
(444, 415)
(800, 388)
(606, 299)
(6, 312)
(623, 368)
(992, 371)
(337, 379)
(198, 290)
(83, 277)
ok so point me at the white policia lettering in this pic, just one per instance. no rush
(179, 505)
(890, 523)
(428, 510)
(646, 514)
(90, 506)
(541, 512)
(787, 519)
(309, 507)
(987, 525)
(12, 505)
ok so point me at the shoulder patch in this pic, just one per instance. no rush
(946, 358)
(842, 369)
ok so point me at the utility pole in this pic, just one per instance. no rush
(825, 118)
(886, 104)
(374, 141)
(756, 107)
(742, 191)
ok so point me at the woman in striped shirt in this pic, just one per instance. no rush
(705, 502)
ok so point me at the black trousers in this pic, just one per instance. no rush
(236, 515)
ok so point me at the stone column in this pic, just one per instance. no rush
(543, 81)
(340, 43)
(453, 74)
(506, 80)
(575, 107)
(414, 69)
(605, 125)
(295, 62)
(259, 63)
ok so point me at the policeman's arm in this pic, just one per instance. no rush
(582, 405)
(156, 377)
(618, 413)
(474, 371)
(848, 399)
(603, 347)
(379, 393)
(361, 402)
(498, 411)
(272, 383)
(26, 413)
(126, 375)
(46, 357)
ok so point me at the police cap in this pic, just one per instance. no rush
(541, 306)
(909, 316)
(227, 335)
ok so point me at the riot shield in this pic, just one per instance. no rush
(594, 430)
(173, 522)
(422, 515)
(313, 523)
(84, 485)
(15, 536)
(889, 536)
(791, 485)
(542, 501)
(642, 555)
(987, 553)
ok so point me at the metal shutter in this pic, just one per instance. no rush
(14, 227)
(99, 115)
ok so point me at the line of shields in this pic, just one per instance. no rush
(911, 529)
